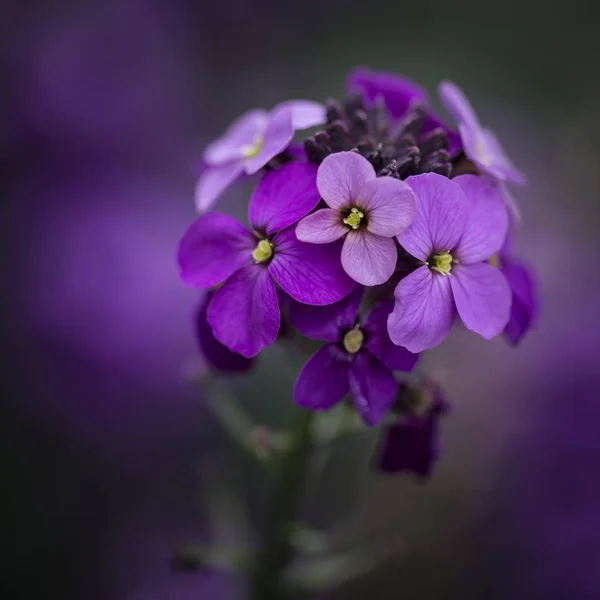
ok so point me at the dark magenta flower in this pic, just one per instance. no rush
(358, 357)
(366, 210)
(459, 225)
(480, 144)
(217, 249)
(250, 143)
(412, 443)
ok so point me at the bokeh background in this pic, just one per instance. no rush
(109, 459)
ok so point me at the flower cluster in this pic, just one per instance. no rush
(371, 237)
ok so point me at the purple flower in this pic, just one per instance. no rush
(480, 145)
(525, 301)
(368, 210)
(244, 312)
(359, 358)
(214, 353)
(400, 95)
(250, 143)
(412, 443)
(459, 225)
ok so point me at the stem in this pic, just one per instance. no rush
(277, 549)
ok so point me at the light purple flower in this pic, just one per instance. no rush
(365, 209)
(250, 143)
(217, 249)
(358, 358)
(459, 225)
(400, 95)
(480, 144)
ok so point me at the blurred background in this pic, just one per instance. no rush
(109, 459)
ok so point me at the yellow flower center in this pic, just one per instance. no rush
(263, 251)
(354, 218)
(494, 261)
(441, 262)
(252, 150)
(353, 340)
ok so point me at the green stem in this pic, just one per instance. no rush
(277, 549)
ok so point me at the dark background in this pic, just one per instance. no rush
(109, 459)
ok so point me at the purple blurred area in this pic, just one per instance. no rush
(106, 108)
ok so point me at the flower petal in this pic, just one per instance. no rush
(457, 104)
(216, 355)
(524, 308)
(213, 248)
(397, 92)
(482, 297)
(213, 181)
(305, 113)
(368, 258)
(244, 313)
(342, 176)
(241, 133)
(277, 137)
(323, 381)
(395, 358)
(309, 273)
(487, 219)
(441, 216)
(283, 196)
(372, 386)
(323, 227)
(327, 323)
(498, 163)
(390, 205)
(424, 310)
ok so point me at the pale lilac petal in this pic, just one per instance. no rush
(323, 227)
(323, 381)
(482, 297)
(395, 358)
(441, 216)
(497, 162)
(525, 303)
(516, 218)
(457, 104)
(373, 388)
(424, 310)
(242, 133)
(277, 137)
(368, 258)
(390, 205)
(244, 313)
(283, 196)
(398, 93)
(341, 178)
(328, 323)
(214, 247)
(309, 273)
(213, 182)
(487, 219)
(305, 113)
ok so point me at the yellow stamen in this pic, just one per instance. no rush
(494, 261)
(354, 218)
(441, 263)
(252, 150)
(353, 340)
(263, 251)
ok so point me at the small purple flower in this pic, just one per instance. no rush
(359, 358)
(459, 225)
(368, 210)
(250, 143)
(400, 95)
(412, 443)
(216, 249)
(480, 144)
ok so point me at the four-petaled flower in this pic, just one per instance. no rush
(250, 143)
(459, 225)
(217, 249)
(368, 210)
(358, 357)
